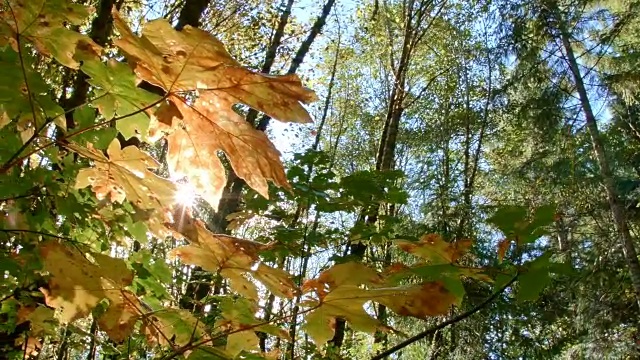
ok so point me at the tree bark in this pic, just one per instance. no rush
(191, 13)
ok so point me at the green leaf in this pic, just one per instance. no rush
(208, 353)
(532, 283)
(515, 223)
(20, 88)
(506, 218)
(84, 118)
(535, 276)
(43, 22)
(118, 95)
(138, 230)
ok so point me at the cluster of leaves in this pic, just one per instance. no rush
(73, 199)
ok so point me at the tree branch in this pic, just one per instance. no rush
(451, 321)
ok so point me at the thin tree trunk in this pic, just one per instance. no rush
(91, 354)
(617, 209)
(309, 173)
(303, 50)
(62, 349)
(386, 150)
(230, 201)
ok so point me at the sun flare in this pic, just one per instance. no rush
(185, 195)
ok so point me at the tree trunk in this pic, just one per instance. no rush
(230, 200)
(617, 209)
(191, 13)
(101, 28)
(302, 51)
(91, 354)
(386, 150)
(316, 144)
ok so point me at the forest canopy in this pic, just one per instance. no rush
(363, 179)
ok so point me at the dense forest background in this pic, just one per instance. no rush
(399, 179)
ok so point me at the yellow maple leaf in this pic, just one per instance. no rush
(420, 301)
(340, 292)
(77, 285)
(124, 175)
(343, 290)
(210, 126)
(233, 258)
(191, 61)
(172, 327)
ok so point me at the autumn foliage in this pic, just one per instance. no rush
(197, 117)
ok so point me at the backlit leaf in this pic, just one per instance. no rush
(211, 126)
(235, 259)
(189, 60)
(42, 22)
(432, 248)
(77, 285)
(173, 326)
(125, 175)
(343, 290)
(420, 301)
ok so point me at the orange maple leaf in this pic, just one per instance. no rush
(193, 62)
(433, 248)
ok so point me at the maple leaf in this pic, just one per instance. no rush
(124, 175)
(77, 285)
(20, 88)
(341, 293)
(43, 22)
(239, 319)
(117, 94)
(420, 301)
(208, 128)
(192, 59)
(345, 302)
(41, 319)
(432, 248)
(233, 258)
(119, 320)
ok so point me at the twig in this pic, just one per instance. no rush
(454, 320)
(35, 232)
(6, 167)
(193, 345)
